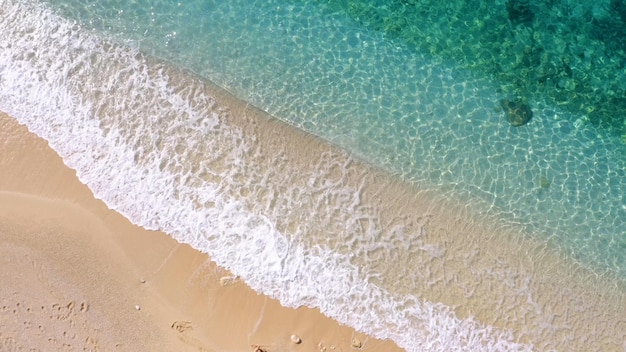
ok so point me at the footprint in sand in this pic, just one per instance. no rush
(182, 326)
(63, 312)
(8, 344)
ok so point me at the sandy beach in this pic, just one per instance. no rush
(79, 276)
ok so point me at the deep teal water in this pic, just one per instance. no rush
(415, 87)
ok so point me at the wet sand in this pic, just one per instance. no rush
(79, 276)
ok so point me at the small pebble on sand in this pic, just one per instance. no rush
(356, 343)
(296, 339)
(137, 307)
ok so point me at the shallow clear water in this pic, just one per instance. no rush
(426, 116)
(154, 144)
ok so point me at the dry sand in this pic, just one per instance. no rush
(78, 276)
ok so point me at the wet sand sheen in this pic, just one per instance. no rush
(81, 276)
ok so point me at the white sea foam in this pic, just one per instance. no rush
(155, 147)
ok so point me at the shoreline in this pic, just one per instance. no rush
(36, 174)
(94, 268)
(485, 271)
(540, 278)
(485, 274)
(298, 218)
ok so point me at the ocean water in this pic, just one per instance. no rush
(421, 115)
(124, 91)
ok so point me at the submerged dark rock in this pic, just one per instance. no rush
(517, 112)
(519, 12)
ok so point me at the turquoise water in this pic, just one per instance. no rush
(310, 224)
(427, 115)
